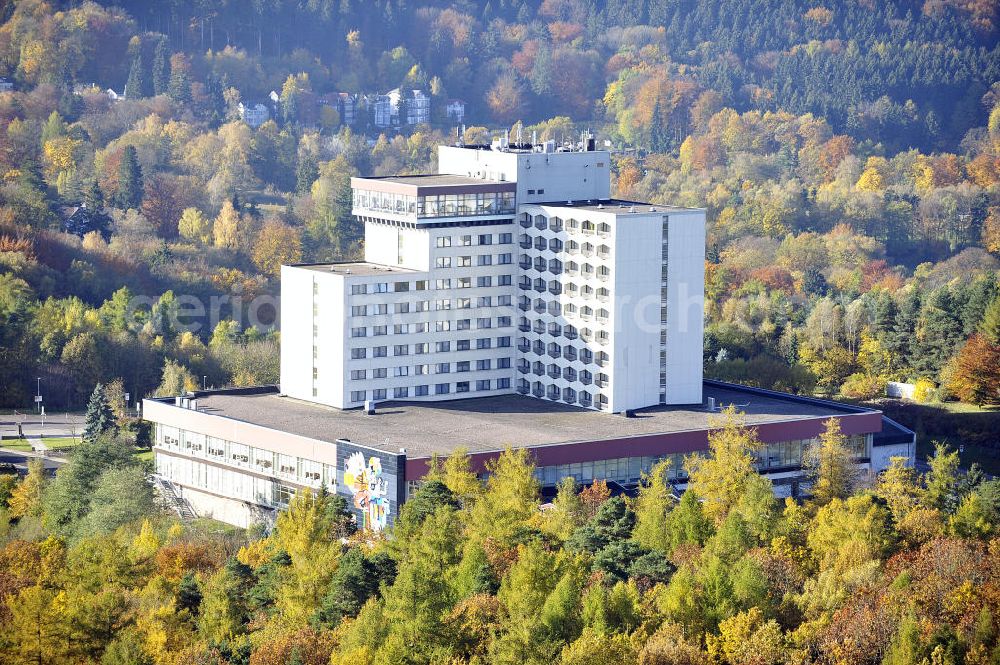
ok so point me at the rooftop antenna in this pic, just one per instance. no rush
(534, 137)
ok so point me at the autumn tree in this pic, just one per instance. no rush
(226, 228)
(26, 499)
(506, 99)
(277, 244)
(726, 473)
(509, 500)
(831, 466)
(194, 226)
(974, 373)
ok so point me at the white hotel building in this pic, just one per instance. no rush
(507, 301)
(509, 271)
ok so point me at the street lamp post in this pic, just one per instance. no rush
(38, 395)
(204, 382)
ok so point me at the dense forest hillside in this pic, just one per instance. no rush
(904, 571)
(900, 72)
(848, 155)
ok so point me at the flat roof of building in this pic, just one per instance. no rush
(435, 180)
(489, 424)
(617, 206)
(356, 268)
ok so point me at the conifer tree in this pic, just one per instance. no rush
(161, 67)
(99, 417)
(725, 475)
(129, 194)
(93, 198)
(652, 507)
(179, 88)
(990, 325)
(135, 87)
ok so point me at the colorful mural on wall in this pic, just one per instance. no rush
(369, 490)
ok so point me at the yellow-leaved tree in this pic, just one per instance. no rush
(225, 230)
(26, 500)
(194, 226)
(277, 244)
(722, 478)
(830, 465)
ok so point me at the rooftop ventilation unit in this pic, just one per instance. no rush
(370, 407)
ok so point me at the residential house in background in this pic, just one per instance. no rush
(344, 103)
(6, 84)
(254, 114)
(383, 111)
(455, 111)
(418, 107)
(401, 107)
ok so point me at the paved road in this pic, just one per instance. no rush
(57, 424)
(20, 460)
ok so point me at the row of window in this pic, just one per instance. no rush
(297, 469)
(481, 323)
(584, 398)
(481, 239)
(569, 352)
(556, 245)
(554, 371)
(403, 392)
(228, 482)
(434, 205)
(467, 261)
(542, 223)
(572, 268)
(623, 470)
(791, 453)
(425, 306)
(361, 352)
(483, 281)
(480, 365)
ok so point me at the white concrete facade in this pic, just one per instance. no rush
(593, 302)
(603, 275)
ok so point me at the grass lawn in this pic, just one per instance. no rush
(61, 442)
(21, 445)
(955, 424)
(52, 443)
